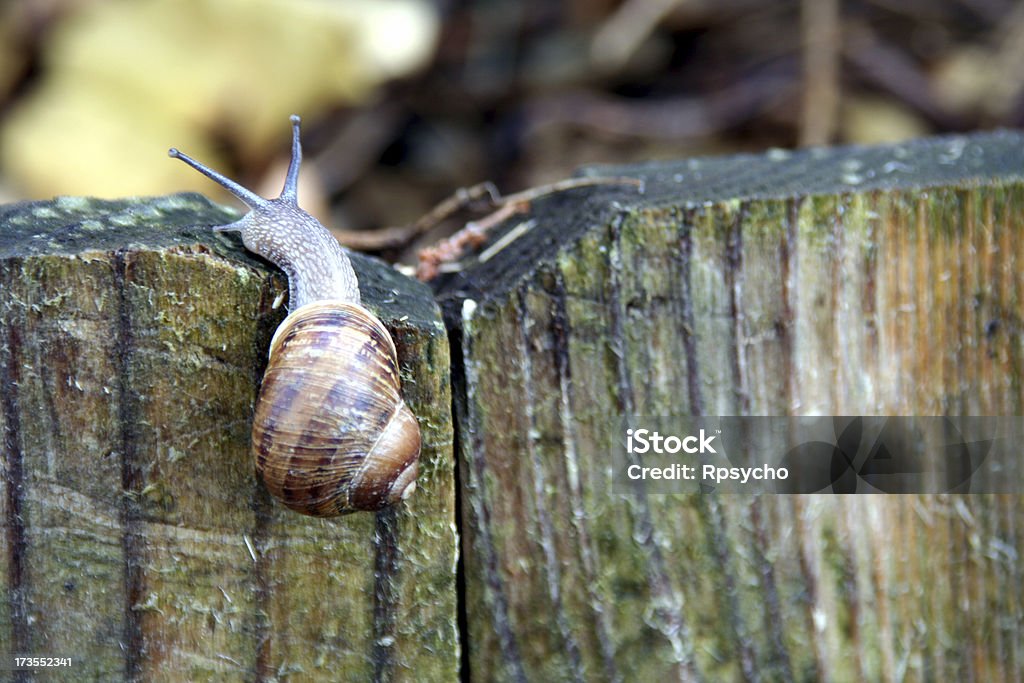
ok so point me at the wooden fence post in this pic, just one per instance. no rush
(859, 281)
(136, 539)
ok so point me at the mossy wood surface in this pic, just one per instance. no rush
(135, 537)
(862, 281)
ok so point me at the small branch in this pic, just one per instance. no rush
(667, 118)
(819, 28)
(625, 30)
(383, 238)
(443, 256)
(889, 68)
(569, 184)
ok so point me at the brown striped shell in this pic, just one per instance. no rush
(331, 433)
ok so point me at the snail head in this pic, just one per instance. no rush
(266, 229)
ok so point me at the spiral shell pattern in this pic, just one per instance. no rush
(331, 433)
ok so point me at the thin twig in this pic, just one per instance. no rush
(461, 199)
(625, 31)
(890, 68)
(383, 238)
(820, 37)
(440, 257)
(568, 184)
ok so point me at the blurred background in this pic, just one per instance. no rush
(404, 101)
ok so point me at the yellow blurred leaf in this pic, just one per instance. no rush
(126, 79)
(876, 120)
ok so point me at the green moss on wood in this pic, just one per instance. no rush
(851, 281)
(138, 337)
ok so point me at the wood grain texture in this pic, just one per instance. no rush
(874, 281)
(136, 537)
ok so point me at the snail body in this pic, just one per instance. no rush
(331, 433)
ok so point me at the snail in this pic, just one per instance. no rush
(331, 433)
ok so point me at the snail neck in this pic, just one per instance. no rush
(316, 265)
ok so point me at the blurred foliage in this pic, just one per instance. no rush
(125, 79)
(407, 100)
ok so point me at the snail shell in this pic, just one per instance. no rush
(331, 432)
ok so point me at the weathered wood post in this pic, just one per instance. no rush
(876, 281)
(136, 539)
(858, 281)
